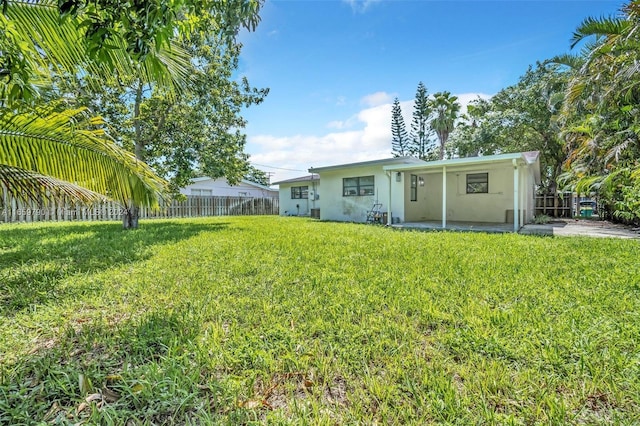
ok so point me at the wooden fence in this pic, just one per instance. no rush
(556, 205)
(13, 210)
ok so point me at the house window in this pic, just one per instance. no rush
(353, 186)
(201, 192)
(477, 183)
(299, 192)
(414, 188)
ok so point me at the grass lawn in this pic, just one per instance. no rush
(292, 321)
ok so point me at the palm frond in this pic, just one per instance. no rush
(616, 151)
(571, 61)
(70, 146)
(575, 89)
(588, 184)
(599, 27)
(30, 186)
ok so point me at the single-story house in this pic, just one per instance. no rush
(206, 186)
(300, 196)
(486, 189)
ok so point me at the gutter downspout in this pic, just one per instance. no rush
(516, 183)
(444, 197)
(388, 173)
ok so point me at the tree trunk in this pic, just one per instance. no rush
(443, 140)
(131, 213)
(139, 143)
(130, 217)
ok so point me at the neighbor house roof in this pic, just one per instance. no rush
(530, 157)
(401, 161)
(307, 178)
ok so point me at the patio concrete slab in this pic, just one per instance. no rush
(499, 228)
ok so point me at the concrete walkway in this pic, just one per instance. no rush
(581, 227)
(559, 227)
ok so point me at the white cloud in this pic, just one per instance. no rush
(343, 124)
(362, 137)
(337, 124)
(360, 6)
(375, 99)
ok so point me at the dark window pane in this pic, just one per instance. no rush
(414, 188)
(477, 183)
(366, 181)
(298, 192)
(358, 186)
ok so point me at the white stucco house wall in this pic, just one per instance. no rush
(486, 189)
(299, 196)
(349, 191)
(205, 186)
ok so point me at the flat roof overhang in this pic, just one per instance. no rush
(467, 163)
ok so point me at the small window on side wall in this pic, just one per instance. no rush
(477, 183)
(414, 188)
(299, 192)
(362, 185)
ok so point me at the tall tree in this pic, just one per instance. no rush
(601, 117)
(140, 50)
(196, 131)
(472, 136)
(445, 108)
(420, 130)
(257, 176)
(42, 142)
(521, 117)
(399, 138)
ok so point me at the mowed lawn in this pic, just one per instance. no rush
(294, 321)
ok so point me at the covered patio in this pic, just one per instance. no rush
(490, 194)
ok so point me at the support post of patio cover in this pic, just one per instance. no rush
(516, 196)
(389, 201)
(444, 197)
(524, 207)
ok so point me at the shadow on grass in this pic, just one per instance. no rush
(136, 366)
(34, 260)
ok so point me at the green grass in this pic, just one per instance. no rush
(291, 321)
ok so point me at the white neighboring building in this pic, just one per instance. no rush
(300, 196)
(205, 186)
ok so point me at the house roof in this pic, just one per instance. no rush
(400, 161)
(530, 158)
(245, 181)
(307, 178)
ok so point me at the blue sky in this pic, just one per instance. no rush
(334, 67)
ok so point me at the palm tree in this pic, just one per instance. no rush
(445, 108)
(47, 151)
